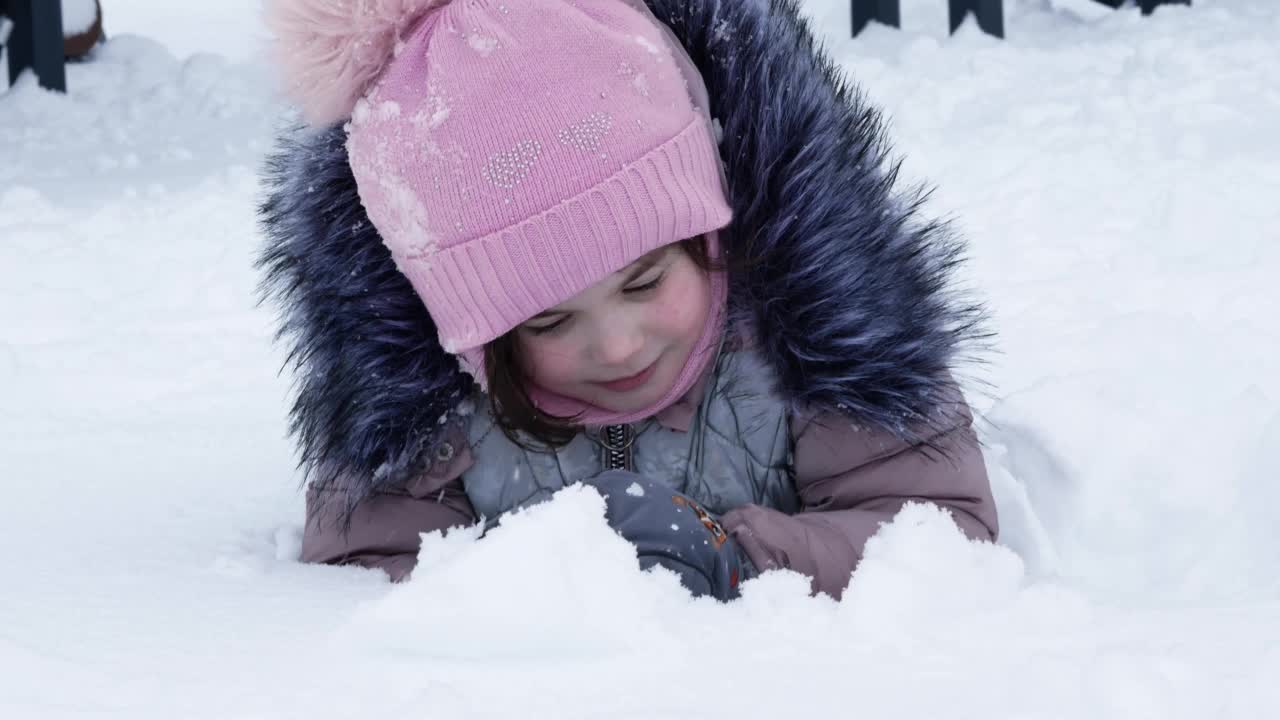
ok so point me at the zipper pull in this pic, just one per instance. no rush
(617, 441)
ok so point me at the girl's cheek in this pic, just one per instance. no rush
(685, 307)
(532, 358)
(547, 360)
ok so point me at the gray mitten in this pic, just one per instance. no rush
(670, 529)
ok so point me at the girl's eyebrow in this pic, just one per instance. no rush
(638, 268)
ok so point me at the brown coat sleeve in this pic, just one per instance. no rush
(850, 481)
(385, 529)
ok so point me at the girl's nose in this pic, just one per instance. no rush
(618, 342)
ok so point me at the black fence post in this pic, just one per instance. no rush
(990, 15)
(35, 41)
(1149, 6)
(885, 11)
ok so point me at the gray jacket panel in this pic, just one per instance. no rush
(737, 451)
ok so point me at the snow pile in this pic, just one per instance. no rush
(136, 117)
(566, 575)
(230, 28)
(1175, 511)
(546, 607)
(1117, 176)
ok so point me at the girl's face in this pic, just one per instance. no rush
(621, 343)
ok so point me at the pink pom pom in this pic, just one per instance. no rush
(330, 51)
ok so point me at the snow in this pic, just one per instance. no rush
(649, 46)
(230, 28)
(641, 83)
(78, 16)
(432, 115)
(1116, 176)
(635, 489)
(481, 44)
(1082, 9)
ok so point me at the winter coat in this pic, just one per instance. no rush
(845, 295)
(797, 491)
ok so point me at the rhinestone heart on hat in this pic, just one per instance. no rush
(507, 169)
(587, 134)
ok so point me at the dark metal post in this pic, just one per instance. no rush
(990, 15)
(36, 42)
(885, 11)
(1149, 6)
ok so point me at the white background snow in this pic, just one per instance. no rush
(1118, 178)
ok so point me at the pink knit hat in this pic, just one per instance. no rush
(511, 153)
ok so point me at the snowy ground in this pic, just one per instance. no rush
(1118, 178)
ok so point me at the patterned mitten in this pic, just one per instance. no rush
(671, 530)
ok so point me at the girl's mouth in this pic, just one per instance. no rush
(630, 383)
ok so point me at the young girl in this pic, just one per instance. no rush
(516, 252)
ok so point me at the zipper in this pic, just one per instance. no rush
(616, 440)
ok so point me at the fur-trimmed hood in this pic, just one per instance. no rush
(845, 287)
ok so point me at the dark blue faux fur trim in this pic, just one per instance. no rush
(374, 387)
(845, 286)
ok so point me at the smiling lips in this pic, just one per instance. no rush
(630, 383)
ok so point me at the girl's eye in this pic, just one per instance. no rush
(652, 284)
(544, 329)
